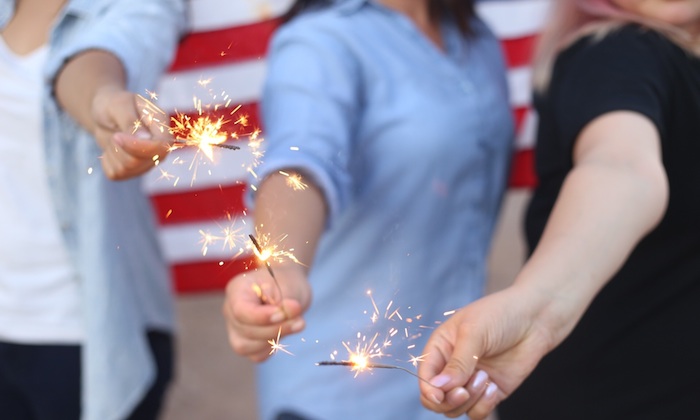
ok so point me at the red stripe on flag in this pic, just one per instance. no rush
(522, 173)
(229, 45)
(207, 276)
(519, 115)
(196, 206)
(519, 51)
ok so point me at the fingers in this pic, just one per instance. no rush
(253, 325)
(478, 398)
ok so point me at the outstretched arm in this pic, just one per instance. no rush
(299, 216)
(615, 194)
(91, 88)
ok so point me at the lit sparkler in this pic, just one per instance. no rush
(276, 345)
(363, 364)
(264, 256)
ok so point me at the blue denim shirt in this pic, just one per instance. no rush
(109, 227)
(411, 148)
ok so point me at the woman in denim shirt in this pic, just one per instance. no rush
(396, 116)
(85, 302)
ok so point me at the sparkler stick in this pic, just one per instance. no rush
(269, 270)
(223, 146)
(355, 365)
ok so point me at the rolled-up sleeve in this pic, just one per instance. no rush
(310, 109)
(142, 34)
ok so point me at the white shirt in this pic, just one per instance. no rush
(39, 291)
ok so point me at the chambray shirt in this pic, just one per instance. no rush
(411, 147)
(109, 226)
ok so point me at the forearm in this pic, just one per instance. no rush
(80, 79)
(297, 216)
(602, 212)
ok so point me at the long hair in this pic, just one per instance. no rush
(461, 10)
(570, 20)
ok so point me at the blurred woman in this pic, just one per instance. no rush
(604, 319)
(85, 302)
(396, 116)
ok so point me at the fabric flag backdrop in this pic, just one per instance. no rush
(219, 68)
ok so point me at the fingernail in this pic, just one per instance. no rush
(435, 399)
(479, 379)
(461, 394)
(277, 317)
(142, 134)
(439, 380)
(491, 389)
(297, 326)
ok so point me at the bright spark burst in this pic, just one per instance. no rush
(276, 345)
(294, 181)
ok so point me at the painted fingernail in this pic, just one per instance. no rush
(461, 394)
(439, 380)
(479, 379)
(491, 389)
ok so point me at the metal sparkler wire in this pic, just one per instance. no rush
(221, 145)
(269, 270)
(372, 366)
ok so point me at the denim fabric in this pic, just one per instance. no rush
(109, 227)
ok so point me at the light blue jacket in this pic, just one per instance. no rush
(109, 227)
(411, 148)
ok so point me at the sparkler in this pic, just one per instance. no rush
(264, 257)
(363, 364)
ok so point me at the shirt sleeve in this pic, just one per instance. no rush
(142, 34)
(310, 106)
(621, 71)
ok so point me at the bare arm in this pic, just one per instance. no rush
(615, 194)
(91, 88)
(300, 217)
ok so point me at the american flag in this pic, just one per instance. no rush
(222, 59)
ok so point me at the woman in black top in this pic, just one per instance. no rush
(603, 321)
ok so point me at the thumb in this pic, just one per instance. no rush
(141, 145)
(456, 358)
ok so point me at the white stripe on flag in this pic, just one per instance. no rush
(519, 82)
(188, 169)
(210, 15)
(238, 82)
(510, 19)
(184, 242)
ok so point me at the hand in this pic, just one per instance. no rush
(253, 318)
(127, 153)
(482, 354)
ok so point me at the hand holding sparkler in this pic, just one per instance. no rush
(132, 145)
(482, 353)
(252, 309)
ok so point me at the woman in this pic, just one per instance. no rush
(611, 291)
(85, 303)
(396, 116)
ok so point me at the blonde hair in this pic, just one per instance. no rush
(570, 20)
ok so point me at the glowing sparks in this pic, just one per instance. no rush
(276, 345)
(368, 366)
(294, 181)
(231, 237)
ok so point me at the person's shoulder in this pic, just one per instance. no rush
(620, 43)
(329, 21)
